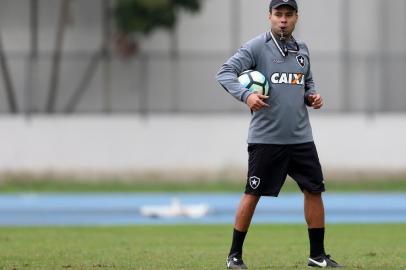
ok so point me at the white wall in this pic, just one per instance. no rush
(187, 143)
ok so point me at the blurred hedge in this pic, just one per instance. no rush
(144, 16)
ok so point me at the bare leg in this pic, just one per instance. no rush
(314, 214)
(242, 222)
(245, 212)
(314, 210)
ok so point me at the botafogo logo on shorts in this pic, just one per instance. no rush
(254, 182)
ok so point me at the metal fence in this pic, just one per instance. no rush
(174, 71)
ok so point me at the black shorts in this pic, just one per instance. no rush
(269, 164)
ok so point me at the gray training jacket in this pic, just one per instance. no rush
(286, 121)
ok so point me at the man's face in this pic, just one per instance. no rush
(283, 20)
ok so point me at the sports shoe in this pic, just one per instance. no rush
(234, 261)
(323, 261)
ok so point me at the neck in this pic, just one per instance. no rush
(279, 37)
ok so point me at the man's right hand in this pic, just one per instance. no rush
(256, 102)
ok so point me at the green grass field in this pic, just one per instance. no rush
(140, 185)
(380, 247)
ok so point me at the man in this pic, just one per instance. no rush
(280, 140)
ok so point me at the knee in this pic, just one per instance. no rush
(310, 195)
(251, 199)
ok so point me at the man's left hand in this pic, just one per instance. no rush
(315, 101)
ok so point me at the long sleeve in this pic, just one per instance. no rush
(310, 88)
(227, 76)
